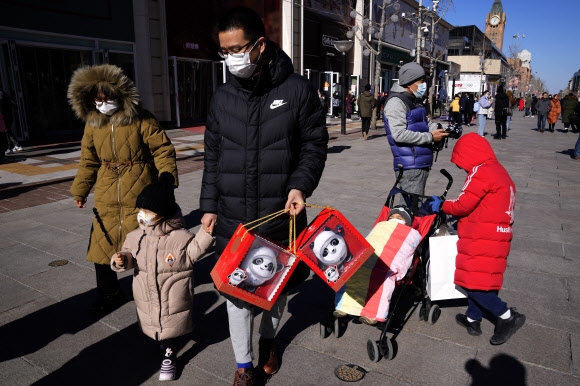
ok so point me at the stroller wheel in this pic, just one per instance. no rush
(434, 314)
(420, 312)
(387, 349)
(325, 330)
(373, 350)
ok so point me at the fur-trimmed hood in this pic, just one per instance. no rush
(88, 80)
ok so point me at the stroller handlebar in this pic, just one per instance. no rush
(449, 181)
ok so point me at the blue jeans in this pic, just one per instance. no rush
(542, 121)
(507, 122)
(482, 120)
(477, 301)
(527, 113)
(577, 148)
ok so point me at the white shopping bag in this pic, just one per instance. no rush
(441, 268)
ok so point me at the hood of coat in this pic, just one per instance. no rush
(110, 80)
(472, 150)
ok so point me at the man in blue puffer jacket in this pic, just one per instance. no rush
(411, 135)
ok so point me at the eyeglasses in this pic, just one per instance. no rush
(239, 53)
(100, 101)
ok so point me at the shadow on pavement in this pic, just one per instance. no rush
(129, 357)
(36, 330)
(503, 370)
(338, 149)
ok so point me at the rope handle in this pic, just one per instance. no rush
(292, 235)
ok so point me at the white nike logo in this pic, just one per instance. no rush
(277, 103)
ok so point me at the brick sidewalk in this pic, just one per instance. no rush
(188, 143)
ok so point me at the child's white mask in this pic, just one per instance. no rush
(147, 219)
(399, 221)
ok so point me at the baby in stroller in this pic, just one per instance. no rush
(368, 292)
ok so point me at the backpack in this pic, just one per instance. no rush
(476, 107)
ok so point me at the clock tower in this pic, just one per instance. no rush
(495, 24)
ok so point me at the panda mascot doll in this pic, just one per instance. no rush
(260, 265)
(332, 252)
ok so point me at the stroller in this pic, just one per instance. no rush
(426, 223)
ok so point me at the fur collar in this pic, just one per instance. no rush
(109, 79)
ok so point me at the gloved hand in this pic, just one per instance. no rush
(436, 204)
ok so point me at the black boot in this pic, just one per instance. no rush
(473, 328)
(505, 328)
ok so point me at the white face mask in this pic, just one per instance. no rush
(147, 219)
(240, 65)
(421, 88)
(108, 108)
(399, 221)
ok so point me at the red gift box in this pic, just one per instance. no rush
(253, 268)
(332, 248)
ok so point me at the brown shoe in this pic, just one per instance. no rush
(244, 377)
(268, 359)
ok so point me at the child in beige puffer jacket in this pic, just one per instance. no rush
(162, 254)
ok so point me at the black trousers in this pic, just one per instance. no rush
(500, 125)
(107, 283)
(366, 124)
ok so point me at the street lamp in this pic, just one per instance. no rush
(343, 46)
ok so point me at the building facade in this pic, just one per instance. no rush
(169, 48)
(478, 55)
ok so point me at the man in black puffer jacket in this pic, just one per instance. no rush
(265, 149)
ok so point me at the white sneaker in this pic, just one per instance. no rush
(17, 148)
(168, 370)
(8, 151)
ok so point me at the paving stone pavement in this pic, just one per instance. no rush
(46, 337)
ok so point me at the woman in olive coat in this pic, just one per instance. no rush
(123, 150)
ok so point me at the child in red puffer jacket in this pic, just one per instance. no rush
(485, 208)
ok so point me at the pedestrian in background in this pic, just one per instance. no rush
(513, 104)
(3, 140)
(568, 106)
(484, 105)
(502, 109)
(534, 105)
(123, 149)
(455, 107)
(469, 107)
(366, 104)
(485, 208)
(349, 106)
(575, 126)
(463, 108)
(409, 131)
(554, 112)
(543, 107)
(527, 105)
(265, 149)
(7, 109)
(162, 252)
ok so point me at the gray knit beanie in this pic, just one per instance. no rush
(410, 72)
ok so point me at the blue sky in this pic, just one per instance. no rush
(552, 30)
